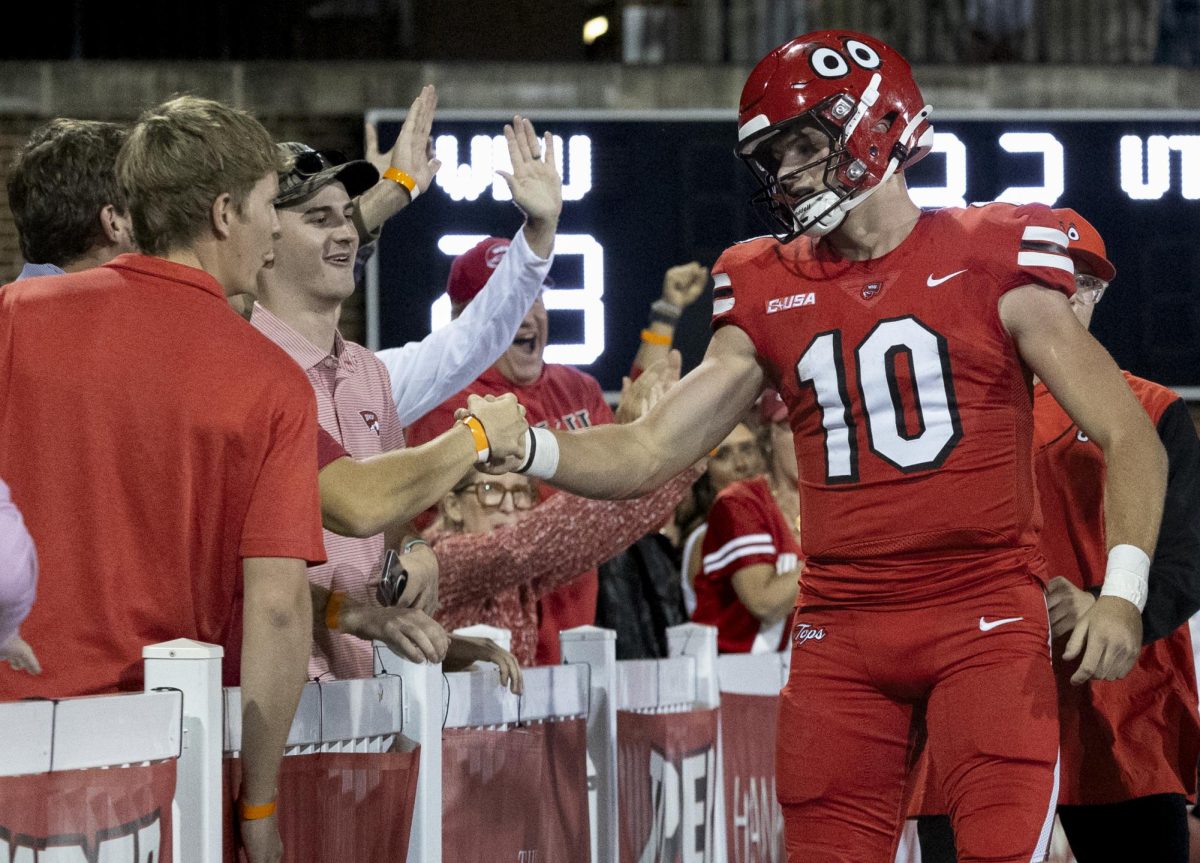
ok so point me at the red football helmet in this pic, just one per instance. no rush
(855, 90)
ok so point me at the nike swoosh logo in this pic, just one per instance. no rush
(933, 283)
(986, 625)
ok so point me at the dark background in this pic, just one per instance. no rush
(665, 192)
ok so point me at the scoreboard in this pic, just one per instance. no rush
(644, 191)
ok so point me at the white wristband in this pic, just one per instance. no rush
(1127, 575)
(541, 454)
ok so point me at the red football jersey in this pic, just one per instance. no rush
(745, 527)
(562, 398)
(1139, 735)
(909, 405)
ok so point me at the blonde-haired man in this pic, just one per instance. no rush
(162, 452)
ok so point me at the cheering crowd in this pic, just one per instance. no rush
(196, 451)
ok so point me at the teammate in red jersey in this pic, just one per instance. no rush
(1129, 748)
(902, 343)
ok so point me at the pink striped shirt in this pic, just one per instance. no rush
(354, 404)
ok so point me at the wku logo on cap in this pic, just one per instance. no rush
(371, 419)
(495, 255)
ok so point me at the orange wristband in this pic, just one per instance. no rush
(255, 813)
(333, 611)
(652, 338)
(405, 180)
(483, 447)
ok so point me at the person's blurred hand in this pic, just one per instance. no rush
(20, 656)
(638, 397)
(1110, 637)
(260, 840)
(409, 632)
(684, 283)
(465, 650)
(1067, 604)
(421, 590)
(534, 182)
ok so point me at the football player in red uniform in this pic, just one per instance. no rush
(903, 344)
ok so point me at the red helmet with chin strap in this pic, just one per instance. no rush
(857, 91)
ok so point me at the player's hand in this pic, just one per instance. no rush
(421, 590)
(413, 151)
(409, 632)
(20, 656)
(534, 182)
(1068, 604)
(260, 839)
(638, 397)
(1110, 638)
(503, 421)
(684, 283)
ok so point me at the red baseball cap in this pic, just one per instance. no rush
(471, 270)
(1085, 244)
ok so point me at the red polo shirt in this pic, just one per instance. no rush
(152, 439)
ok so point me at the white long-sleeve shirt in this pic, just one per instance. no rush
(426, 373)
(18, 568)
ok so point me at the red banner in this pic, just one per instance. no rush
(517, 795)
(118, 815)
(753, 819)
(339, 806)
(667, 774)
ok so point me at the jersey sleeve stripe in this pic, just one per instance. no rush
(722, 294)
(1045, 259)
(1039, 234)
(722, 280)
(737, 554)
(738, 542)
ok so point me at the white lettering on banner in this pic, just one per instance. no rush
(466, 181)
(588, 298)
(757, 821)
(1146, 166)
(137, 842)
(681, 830)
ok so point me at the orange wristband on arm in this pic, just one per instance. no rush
(255, 813)
(652, 338)
(483, 447)
(333, 613)
(405, 180)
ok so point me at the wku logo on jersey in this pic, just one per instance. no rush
(371, 419)
(782, 304)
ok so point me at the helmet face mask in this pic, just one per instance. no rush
(860, 95)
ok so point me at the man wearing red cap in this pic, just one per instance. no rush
(902, 342)
(1129, 747)
(554, 396)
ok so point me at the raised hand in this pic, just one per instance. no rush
(684, 283)
(638, 397)
(413, 151)
(534, 182)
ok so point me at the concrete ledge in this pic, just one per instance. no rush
(122, 89)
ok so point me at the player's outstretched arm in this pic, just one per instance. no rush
(1087, 383)
(623, 461)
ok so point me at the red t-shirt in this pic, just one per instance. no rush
(328, 449)
(1139, 735)
(745, 527)
(908, 402)
(152, 440)
(561, 398)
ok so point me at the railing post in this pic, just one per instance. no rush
(422, 712)
(700, 642)
(597, 648)
(194, 668)
(503, 637)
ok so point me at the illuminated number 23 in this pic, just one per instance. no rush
(901, 340)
